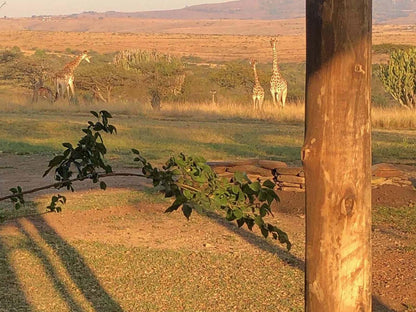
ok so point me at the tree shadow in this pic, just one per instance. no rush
(378, 306)
(12, 297)
(50, 270)
(79, 272)
(258, 241)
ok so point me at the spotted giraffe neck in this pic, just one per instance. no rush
(256, 77)
(73, 64)
(276, 69)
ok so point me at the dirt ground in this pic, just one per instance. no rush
(394, 252)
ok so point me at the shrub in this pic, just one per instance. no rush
(399, 77)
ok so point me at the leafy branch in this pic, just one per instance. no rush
(189, 180)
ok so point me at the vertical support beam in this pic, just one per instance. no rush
(337, 155)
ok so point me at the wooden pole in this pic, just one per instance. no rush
(337, 156)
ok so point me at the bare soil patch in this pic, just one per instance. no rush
(394, 251)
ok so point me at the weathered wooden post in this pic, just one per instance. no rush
(337, 156)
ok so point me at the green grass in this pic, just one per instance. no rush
(159, 137)
(401, 219)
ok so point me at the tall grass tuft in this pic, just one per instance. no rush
(293, 112)
(382, 117)
(393, 118)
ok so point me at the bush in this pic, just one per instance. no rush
(399, 77)
(162, 74)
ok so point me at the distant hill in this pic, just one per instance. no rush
(383, 10)
(242, 17)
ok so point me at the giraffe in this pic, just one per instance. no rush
(258, 91)
(65, 77)
(43, 92)
(278, 84)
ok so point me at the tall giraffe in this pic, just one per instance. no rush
(278, 84)
(258, 91)
(65, 77)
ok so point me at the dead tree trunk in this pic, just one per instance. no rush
(337, 156)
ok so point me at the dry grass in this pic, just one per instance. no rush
(382, 118)
(293, 112)
(393, 118)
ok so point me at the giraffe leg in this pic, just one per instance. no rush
(71, 86)
(273, 97)
(284, 95)
(254, 101)
(57, 94)
(261, 102)
(67, 91)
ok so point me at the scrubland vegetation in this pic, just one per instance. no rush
(190, 86)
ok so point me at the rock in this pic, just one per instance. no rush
(290, 184)
(251, 169)
(291, 189)
(288, 171)
(387, 171)
(272, 164)
(290, 178)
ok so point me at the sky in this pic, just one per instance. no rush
(21, 8)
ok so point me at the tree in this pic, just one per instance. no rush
(102, 78)
(162, 74)
(27, 71)
(236, 74)
(399, 77)
(337, 156)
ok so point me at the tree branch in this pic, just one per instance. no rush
(58, 184)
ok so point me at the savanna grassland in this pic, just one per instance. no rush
(116, 250)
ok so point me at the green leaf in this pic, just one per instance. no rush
(103, 186)
(241, 177)
(188, 194)
(57, 159)
(176, 204)
(187, 210)
(238, 213)
(258, 220)
(269, 184)
(220, 200)
(262, 195)
(264, 231)
(264, 209)
(135, 151)
(250, 223)
(67, 145)
(230, 215)
(240, 222)
(47, 171)
(255, 186)
(105, 114)
(94, 113)
(235, 188)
